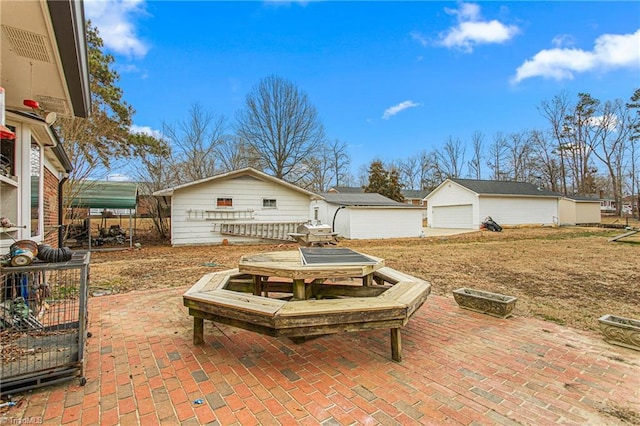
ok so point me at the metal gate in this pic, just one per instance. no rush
(43, 323)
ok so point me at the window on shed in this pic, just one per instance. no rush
(269, 203)
(224, 202)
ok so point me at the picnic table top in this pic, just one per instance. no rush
(310, 262)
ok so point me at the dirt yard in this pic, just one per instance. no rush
(570, 276)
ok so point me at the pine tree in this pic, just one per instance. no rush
(384, 182)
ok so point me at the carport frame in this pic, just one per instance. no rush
(94, 194)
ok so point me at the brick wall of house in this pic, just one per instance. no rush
(50, 208)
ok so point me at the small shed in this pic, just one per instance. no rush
(465, 203)
(115, 196)
(576, 210)
(241, 206)
(367, 216)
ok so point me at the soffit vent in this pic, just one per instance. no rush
(49, 104)
(27, 44)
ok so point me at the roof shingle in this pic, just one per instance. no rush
(494, 187)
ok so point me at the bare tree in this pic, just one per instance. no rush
(634, 147)
(410, 170)
(496, 159)
(555, 112)
(521, 161)
(234, 153)
(281, 125)
(451, 158)
(362, 178)
(328, 165)
(475, 164)
(153, 174)
(339, 160)
(576, 133)
(548, 162)
(194, 143)
(609, 134)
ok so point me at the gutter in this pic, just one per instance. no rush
(61, 154)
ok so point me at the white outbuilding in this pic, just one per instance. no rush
(579, 211)
(242, 206)
(465, 203)
(367, 216)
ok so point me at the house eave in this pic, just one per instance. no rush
(67, 18)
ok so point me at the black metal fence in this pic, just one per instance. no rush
(43, 323)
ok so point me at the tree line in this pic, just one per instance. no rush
(589, 145)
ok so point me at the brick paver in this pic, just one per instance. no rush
(458, 367)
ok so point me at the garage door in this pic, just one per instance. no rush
(453, 216)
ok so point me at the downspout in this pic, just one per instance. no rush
(62, 156)
(65, 177)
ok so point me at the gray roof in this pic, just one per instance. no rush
(247, 171)
(582, 198)
(495, 187)
(348, 189)
(362, 199)
(414, 193)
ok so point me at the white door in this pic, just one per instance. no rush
(453, 216)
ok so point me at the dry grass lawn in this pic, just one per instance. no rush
(570, 276)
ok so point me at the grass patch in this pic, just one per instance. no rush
(626, 414)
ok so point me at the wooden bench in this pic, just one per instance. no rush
(390, 305)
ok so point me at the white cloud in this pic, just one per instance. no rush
(610, 51)
(563, 40)
(419, 38)
(391, 111)
(146, 130)
(472, 30)
(466, 12)
(127, 68)
(115, 20)
(609, 122)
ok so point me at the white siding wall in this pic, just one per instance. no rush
(326, 212)
(567, 211)
(520, 210)
(370, 223)
(588, 212)
(247, 193)
(452, 194)
(373, 223)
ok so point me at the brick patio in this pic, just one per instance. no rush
(458, 367)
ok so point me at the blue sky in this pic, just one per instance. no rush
(391, 79)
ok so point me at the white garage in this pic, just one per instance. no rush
(465, 203)
(367, 216)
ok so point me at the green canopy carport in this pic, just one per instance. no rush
(93, 194)
(105, 195)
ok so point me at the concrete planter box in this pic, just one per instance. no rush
(621, 331)
(494, 304)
